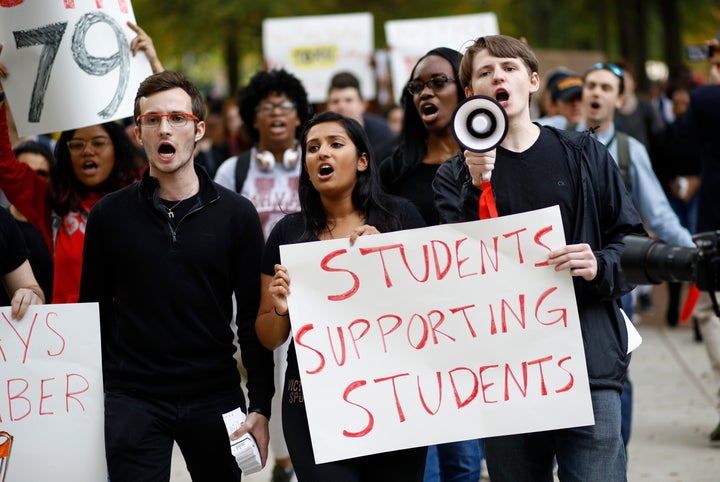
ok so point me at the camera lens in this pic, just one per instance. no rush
(648, 260)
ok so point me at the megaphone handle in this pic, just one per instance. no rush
(486, 204)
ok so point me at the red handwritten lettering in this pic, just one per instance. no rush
(70, 4)
(25, 342)
(516, 234)
(505, 308)
(484, 251)
(473, 392)
(62, 340)
(485, 386)
(13, 396)
(365, 324)
(461, 261)
(385, 332)
(571, 381)
(371, 420)
(398, 405)
(562, 311)
(434, 327)
(441, 272)
(341, 339)
(537, 238)
(324, 264)
(381, 250)
(299, 342)
(424, 331)
(43, 396)
(10, 3)
(71, 394)
(438, 376)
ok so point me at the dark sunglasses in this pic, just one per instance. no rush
(435, 83)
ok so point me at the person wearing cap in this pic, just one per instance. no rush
(565, 89)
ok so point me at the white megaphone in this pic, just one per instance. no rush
(479, 123)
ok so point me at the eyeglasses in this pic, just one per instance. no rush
(76, 146)
(284, 107)
(605, 66)
(435, 83)
(175, 119)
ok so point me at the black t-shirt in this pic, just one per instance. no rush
(417, 187)
(543, 173)
(13, 251)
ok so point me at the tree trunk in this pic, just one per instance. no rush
(671, 19)
(232, 61)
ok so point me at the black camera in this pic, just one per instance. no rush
(647, 260)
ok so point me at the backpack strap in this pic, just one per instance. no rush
(623, 158)
(241, 170)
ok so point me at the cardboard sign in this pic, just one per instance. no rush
(51, 395)
(408, 40)
(69, 62)
(435, 335)
(316, 47)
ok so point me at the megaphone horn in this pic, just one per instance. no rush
(479, 123)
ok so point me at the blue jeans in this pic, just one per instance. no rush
(140, 431)
(626, 397)
(584, 454)
(454, 462)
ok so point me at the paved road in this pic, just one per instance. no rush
(673, 409)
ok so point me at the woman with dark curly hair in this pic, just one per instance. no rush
(340, 197)
(90, 162)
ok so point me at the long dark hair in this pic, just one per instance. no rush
(65, 192)
(414, 135)
(367, 196)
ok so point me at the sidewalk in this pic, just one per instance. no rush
(673, 408)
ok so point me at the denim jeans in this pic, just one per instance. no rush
(140, 431)
(584, 454)
(454, 462)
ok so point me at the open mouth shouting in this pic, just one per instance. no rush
(502, 96)
(166, 151)
(325, 171)
(428, 112)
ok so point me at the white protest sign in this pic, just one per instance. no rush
(408, 40)
(51, 395)
(69, 62)
(435, 335)
(314, 48)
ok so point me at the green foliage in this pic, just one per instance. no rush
(192, 35)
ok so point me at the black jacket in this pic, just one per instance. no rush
(604, 216)
(165, 294)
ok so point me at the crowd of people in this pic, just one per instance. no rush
(173, 220)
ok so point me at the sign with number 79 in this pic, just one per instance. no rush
(69, 62)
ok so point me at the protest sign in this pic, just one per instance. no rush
(69, 62)
(410, 39)
(316, 47)
(51, 395)
(437, 334)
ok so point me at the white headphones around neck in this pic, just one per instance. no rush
(290, 159)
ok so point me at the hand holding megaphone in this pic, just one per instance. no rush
(480, 125)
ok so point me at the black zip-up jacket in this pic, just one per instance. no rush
(604, 216)
(165, 292)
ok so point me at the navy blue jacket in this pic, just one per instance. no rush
(604, 216)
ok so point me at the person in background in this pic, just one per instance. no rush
(345, 98)
(17, 277)
(274, 106)
(40, 160)
(163, 258)
(90, 162)
(535, 167)
(565, 89)
(394, 117)
(426, 141)
(699, 124)
(346, 201)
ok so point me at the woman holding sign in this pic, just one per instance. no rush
(91, 162)
(340, 197)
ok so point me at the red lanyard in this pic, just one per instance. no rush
(486, 205)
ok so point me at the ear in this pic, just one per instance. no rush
(362, 163)
(620, 101)
(468, 92)
(138, 135)
(199, 131)
(534, 82)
